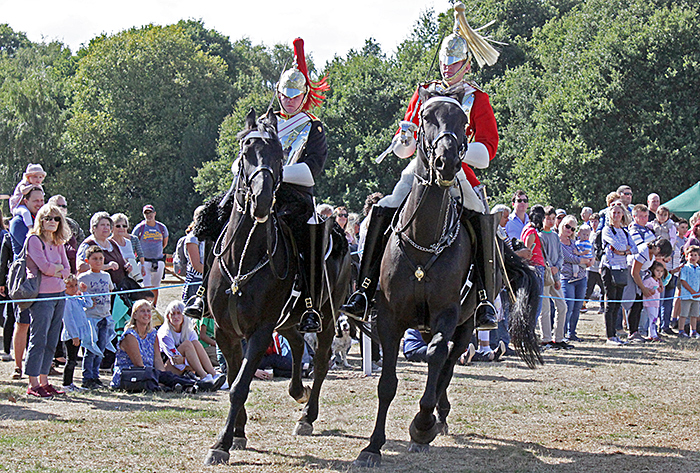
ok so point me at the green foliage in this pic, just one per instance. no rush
(147, 105)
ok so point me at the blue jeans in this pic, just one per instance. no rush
(91, 362)
(44, 332)
(667, 305)
(502, 332)
(573, 290)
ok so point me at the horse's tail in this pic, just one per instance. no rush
(523, 311)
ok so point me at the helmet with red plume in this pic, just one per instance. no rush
(295, 81)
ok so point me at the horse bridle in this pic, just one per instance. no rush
(430, 150)
(245, 185)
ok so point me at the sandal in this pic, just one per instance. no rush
(17, 374)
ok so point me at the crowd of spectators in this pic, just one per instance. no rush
(642, 259)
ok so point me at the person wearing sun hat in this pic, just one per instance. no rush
(34, 175)
(303, 140)
(456, 53)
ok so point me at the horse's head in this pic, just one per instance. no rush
(261, 163)
(441, 135)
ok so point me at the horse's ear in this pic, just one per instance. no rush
(423, 94)
(250, 119)
(271, 118)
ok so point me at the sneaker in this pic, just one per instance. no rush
(574, 338)
(637, 337)
(656, 339)
(499, 351)
(225, 386)
(682, 334)
(615, 342)
(466, 357)
(6, 357)
(601, 310)
(98, 382)
(17, 373)
(551, 346)
(695, 335)
(53, 391)
(91, 384)
(623, 342)
(53, 371)
(584, 308)
(219, 381)
(72, 388)
(563, 345)
(207, 379)
(669, 331)
(38, 391)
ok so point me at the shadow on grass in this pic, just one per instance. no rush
(486, 454)
(24, 412)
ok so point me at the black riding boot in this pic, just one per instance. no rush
(196, 305)
(359, 301)
(313, 252)
(486, 317)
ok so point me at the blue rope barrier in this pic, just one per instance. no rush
(609, 300)
(126, 291)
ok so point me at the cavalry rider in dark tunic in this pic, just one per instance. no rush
(303, 140)
(482, 135)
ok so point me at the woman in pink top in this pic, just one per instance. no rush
(46, 255)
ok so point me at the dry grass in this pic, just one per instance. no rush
(593, 408)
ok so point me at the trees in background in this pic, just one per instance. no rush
(588, 94)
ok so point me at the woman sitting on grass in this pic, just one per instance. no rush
(139, 345)
(180, 343)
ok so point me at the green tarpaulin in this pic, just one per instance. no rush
(687, 203)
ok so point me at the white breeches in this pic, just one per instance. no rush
(467, 194)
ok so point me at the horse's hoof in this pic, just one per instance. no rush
(305, 396)
(414, 447)
(442, 428)
(216, 457)
(303, 428)
(422, 437)
(239, 443)
(368, 460)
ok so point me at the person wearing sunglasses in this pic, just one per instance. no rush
(518, 217)
(573, 274)
(46, 258)
(77, 233)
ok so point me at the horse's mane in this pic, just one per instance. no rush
(262, 126)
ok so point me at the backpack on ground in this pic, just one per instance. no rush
(180, 258)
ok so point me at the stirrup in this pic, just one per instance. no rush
(346, 308)
(311, 319)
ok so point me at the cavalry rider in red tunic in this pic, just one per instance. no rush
(303, 140)
(455, 61)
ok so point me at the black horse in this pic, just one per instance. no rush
(423, 273)
(251, 282)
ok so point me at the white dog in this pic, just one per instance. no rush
(341, 343)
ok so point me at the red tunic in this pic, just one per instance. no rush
(482, 126)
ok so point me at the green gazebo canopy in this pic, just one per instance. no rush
(686, 204)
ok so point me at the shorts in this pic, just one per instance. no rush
(154, 277)
(23, 317)
(690, 308)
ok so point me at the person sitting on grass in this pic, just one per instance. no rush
(138, 346)
(180, 343)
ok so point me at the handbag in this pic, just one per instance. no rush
(139, 379)
(19, 285)
(619, 277)
(548, 276)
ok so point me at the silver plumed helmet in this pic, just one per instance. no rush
(454, 48)
(292, 83)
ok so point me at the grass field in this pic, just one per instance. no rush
(591, 409)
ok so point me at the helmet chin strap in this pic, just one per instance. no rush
(286, 114)
(462, 70)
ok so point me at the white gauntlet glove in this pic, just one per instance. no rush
(298, 174)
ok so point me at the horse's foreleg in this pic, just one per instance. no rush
(423, 429)
(321, 358)
(233, 433)
(461, 341)
(296, 343)
(386, 390)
